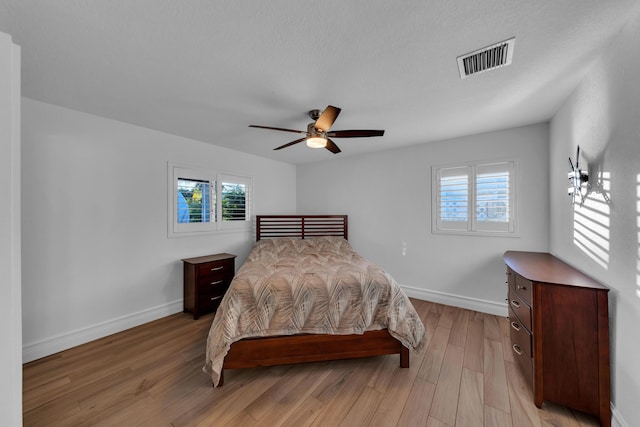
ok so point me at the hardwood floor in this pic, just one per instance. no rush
(151, 375)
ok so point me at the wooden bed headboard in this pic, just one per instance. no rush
(300, 226)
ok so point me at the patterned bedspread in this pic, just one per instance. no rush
(316, 286)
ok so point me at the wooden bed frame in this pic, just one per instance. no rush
(283, 350)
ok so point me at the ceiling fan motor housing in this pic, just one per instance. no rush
(313, 131)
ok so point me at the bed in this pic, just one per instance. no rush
(304, 295)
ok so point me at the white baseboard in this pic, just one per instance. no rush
(484, 306)
(36, 350)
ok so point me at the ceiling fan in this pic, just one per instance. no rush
(318, 134)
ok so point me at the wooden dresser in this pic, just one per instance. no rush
(206, 279)
(560, 332)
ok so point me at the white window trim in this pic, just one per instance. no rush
(471, 228)
(175, 229)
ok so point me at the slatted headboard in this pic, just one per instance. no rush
(300, 226)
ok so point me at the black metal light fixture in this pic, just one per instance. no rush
(578, 181)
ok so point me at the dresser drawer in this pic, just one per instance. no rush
(520, 308)
(521, 347)
(520, 336)
(511, 278)
(524, 362)
(524, 289)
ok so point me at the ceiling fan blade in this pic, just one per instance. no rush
(326, 119)
(282, 129)
(355, 133)
(290, 143)
(331, 146)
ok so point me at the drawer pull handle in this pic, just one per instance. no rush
(217, 268)
(517, 349)
(515, 326)
(521, 288)
(216, 298)
(217, 282)
(515, 303)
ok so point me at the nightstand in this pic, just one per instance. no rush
(206, 279)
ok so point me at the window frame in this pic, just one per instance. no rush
(472, 226)
(215, 179)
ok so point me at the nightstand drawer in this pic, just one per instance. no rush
(210, 303)
(216, 270)
(215, 287)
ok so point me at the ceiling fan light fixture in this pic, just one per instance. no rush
(316, 142)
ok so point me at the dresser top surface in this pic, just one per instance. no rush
(546, 268)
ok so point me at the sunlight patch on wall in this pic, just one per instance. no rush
(591, 228)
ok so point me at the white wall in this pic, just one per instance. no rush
(10, 305)
(387, 196)
(96, 256)
(603, 117)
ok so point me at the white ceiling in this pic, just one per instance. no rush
(205, 69)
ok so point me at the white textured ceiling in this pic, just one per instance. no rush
(205, 69)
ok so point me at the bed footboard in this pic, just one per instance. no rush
(284, 350)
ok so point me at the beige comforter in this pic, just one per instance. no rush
(316, 286)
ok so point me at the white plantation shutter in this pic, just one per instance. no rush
(475, 198)
(493, 198)
(235, 201)
(453, 198)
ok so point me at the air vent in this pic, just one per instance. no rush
(485, 59)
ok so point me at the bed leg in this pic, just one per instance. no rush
(404, 357)
(221, 380)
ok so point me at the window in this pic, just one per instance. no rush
(234, 201)
(206, 201)
(194, 200)
(476, 198)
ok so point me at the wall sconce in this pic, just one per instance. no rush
(578, 181)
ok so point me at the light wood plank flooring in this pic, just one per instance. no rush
(151, 375)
